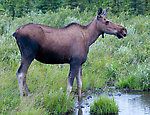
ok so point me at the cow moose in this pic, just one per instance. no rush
(68, 44)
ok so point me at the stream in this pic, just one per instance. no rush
(130, 103)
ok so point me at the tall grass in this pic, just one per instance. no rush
(125, 61)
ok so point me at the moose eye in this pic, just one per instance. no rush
(107, 22)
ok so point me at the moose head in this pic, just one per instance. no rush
(108, 27)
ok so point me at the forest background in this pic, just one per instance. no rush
(18, 8)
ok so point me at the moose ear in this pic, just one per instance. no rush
(105, 11)
(100, 11)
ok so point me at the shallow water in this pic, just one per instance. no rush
(133, 103)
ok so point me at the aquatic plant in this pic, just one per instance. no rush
(104, 106)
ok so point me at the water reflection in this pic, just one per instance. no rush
(137, 103)
(84, 108)
(80, 112)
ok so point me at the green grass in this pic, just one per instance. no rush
(125, 61)
(104, 106)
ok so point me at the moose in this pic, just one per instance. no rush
(69, 44)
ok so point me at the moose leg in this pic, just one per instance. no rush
(28, 49)
(75, 71)
(70, 80)
(79, 83)
(20, 81)
(27, 91)
(21, 76)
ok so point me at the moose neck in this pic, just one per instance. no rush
(92, 32)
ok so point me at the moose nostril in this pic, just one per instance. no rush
(125, 35)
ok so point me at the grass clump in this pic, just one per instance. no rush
(104, 105)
